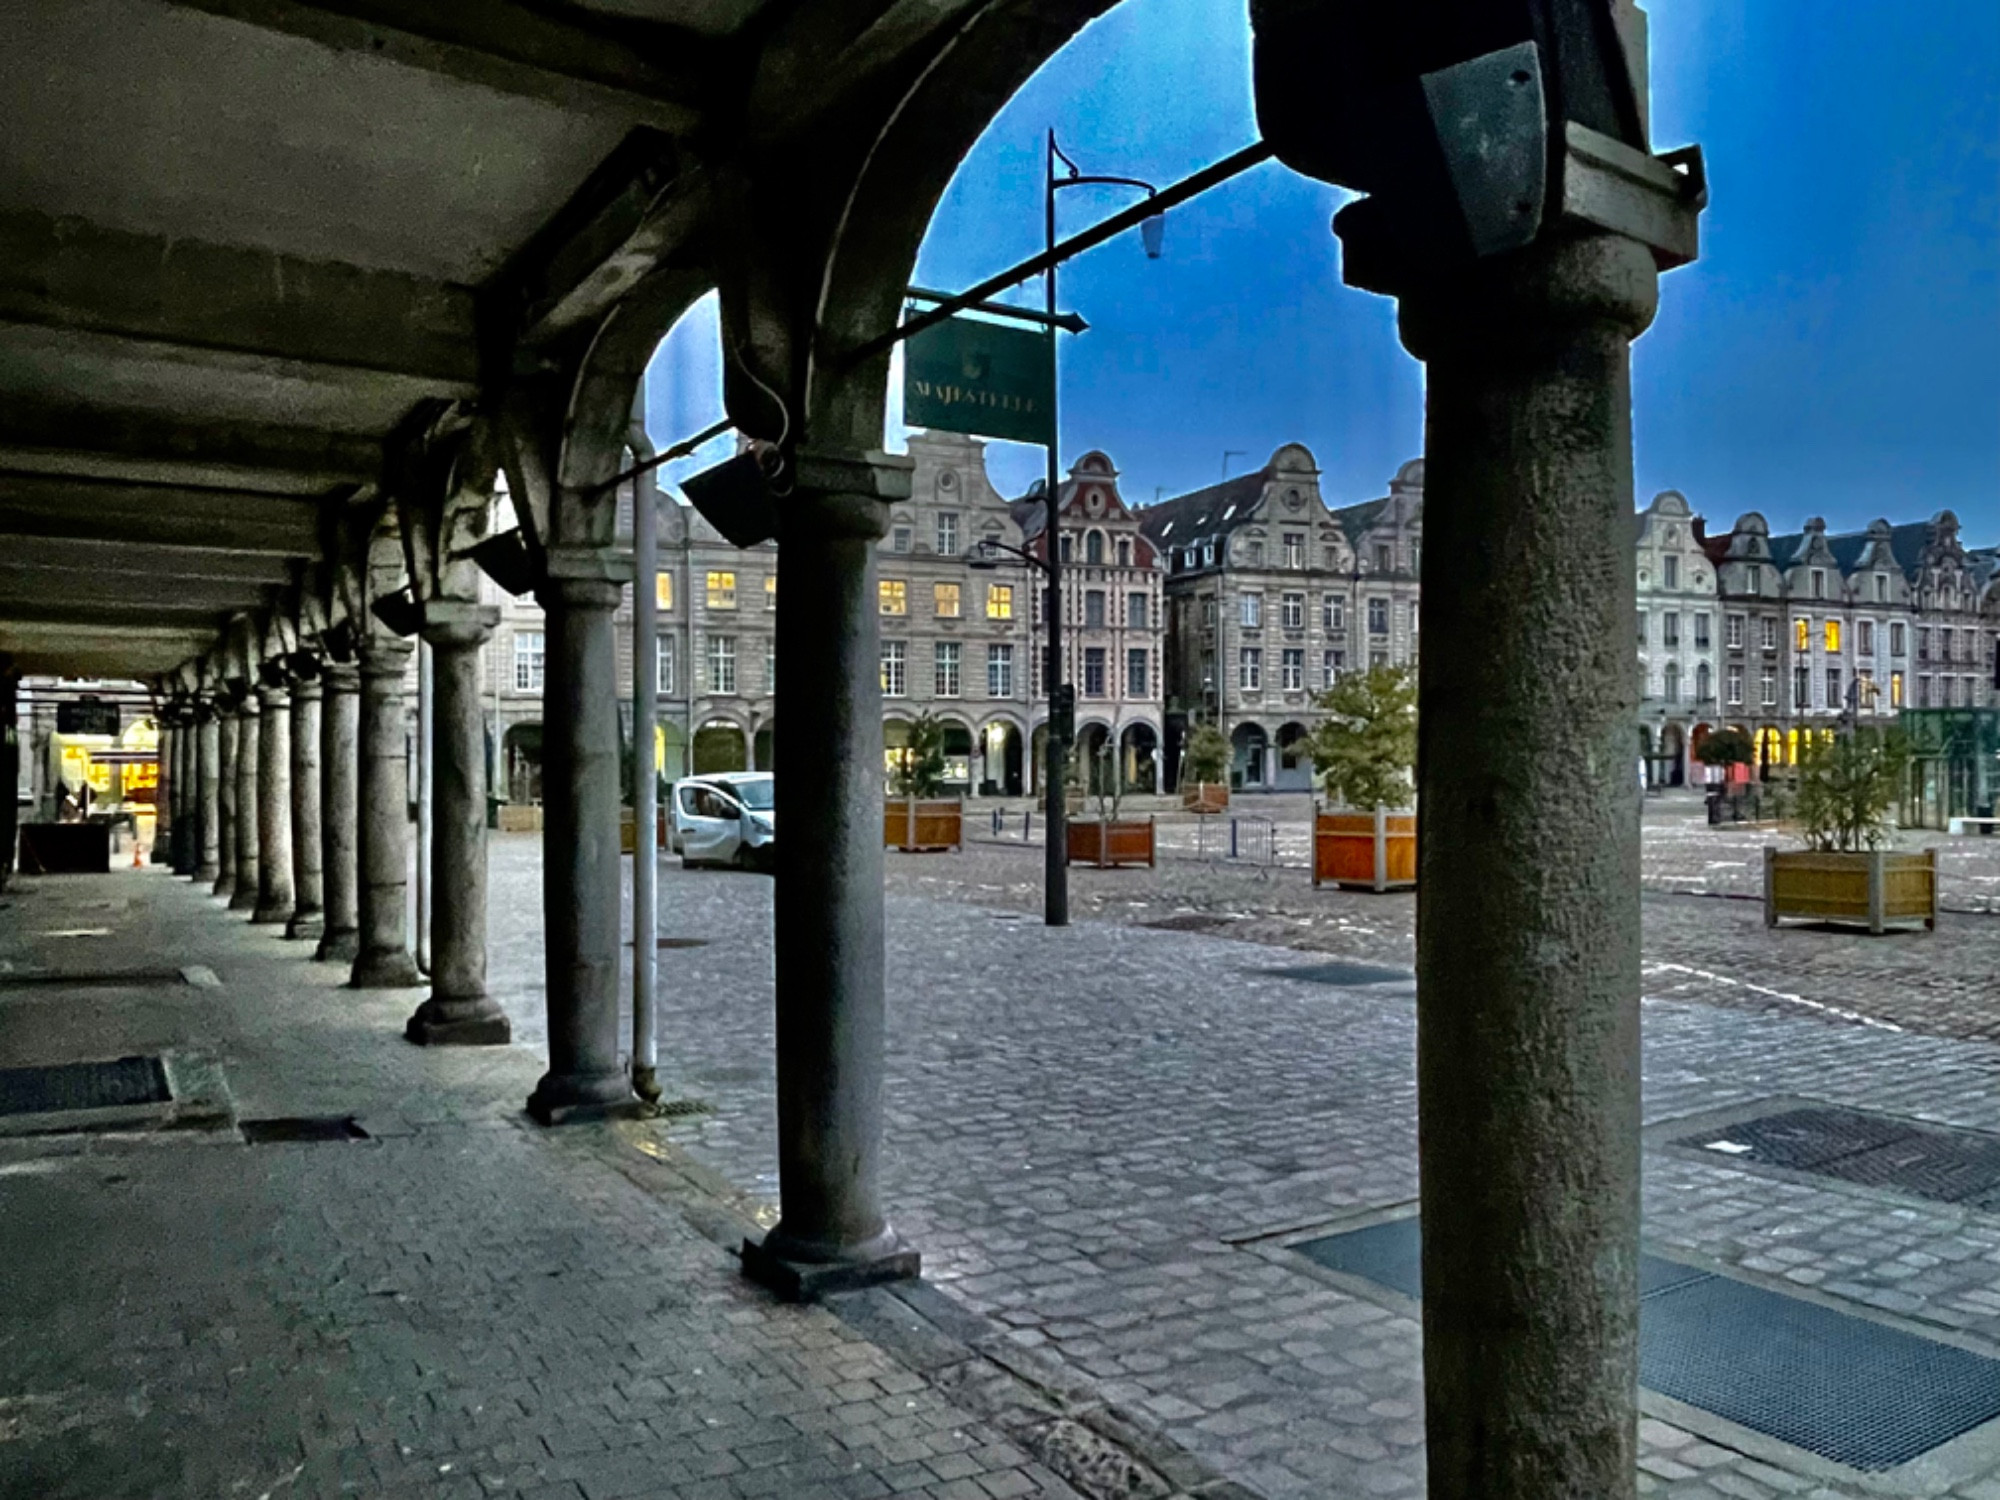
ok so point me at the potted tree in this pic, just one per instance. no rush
(1205, 770)
(1726, 750)
(1846, 873)
(1365, 754)
(1107, 840)
(916, 818)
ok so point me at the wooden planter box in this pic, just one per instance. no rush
(1876, 889)
(1365, 851)
(520, 817)
(1205, 797)
(628, 831)
(1111, 842)
(921, 825)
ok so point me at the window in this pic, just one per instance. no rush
(999, 601)
(1378, 659)
(1295, 550)
(1865, 692)
(1866, 644)
(895, 656)
(1252, 606)
(1207, 671)
(663, 656)
(1895, 689)
(1833, 698)
(1331, 562)
(1923, 643)
(1881, 588)
(1250, 670)
(1944, 643)
(1124, 552)
(1253, 554)
(1770, 633)
(1292, 611)
(899, 539)
(1701, 631)
(1093, 607)
(1753, 579)
(1801, 688)
(770, 591)
(1093, 672)
(1135, 611)
(1734, 679)
(722, 664)
(892, 596)
(1670, 572)
(999, 671)
(1819, 583)
(1732, 627)
(770, 664)
(944, 664)
(1333, 612)
(947, 533)
(1378, 616)
(1135, 674)
(1331, 665)
(1704, 683)
(1385, 557)
(1067, 547)
(1292, 670)
(1416, 556)
(1670, 682)
(721, 590)
(1832, 636)
(1093, 549)
(1923, 692)
(1670, 628)
(1645, 626)
(529, 655)
(1802, 636)
(1208, 612)
(944, 599)
(663, 590)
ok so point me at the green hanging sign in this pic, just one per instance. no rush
(966, 375)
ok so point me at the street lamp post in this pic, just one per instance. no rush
(1055, 877)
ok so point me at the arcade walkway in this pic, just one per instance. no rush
(462, 1305)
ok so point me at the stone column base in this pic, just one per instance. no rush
(207, 874)
(808, 1281)
(304, 925)
(394, 969)
(244, 900)
(477, 1022)
(277, 911)
(571, 1099)
(339, 945)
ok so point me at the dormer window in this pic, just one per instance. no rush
(1670, 572)
(1753, 579)
(1819, 583)
(1385, 557)
(1881, 588)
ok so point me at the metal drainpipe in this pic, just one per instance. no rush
(645, 771)
(426, 757)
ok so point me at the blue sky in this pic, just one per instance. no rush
(1836, 352)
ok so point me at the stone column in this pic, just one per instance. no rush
(229, 740)
(307, 886)
(208, 767)
(459, 1011)
(1528, 885)
(383, 961)
(828, 939)
(581, 885)
(274, 807)
(164, 789)
(248, 821)
(187, 795)
(340, 773)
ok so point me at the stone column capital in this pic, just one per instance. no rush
(583, 577)
(306, 689)
(341, 676)
(274, 696)
(386, 657)
(456, 623)
(844, 494)
(248, 706)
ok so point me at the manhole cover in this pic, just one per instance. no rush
(301, 1128)
(1846, 1388)
(1188, 921)
(1343, 973)
(1870, 1150)
(116, 1084)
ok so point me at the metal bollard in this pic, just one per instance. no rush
(1232, 838)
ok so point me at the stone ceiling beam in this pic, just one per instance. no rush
(38, 594)
(95, 556)
(650, 74)
(143, 447)
(57, 509)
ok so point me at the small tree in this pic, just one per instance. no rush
(1726, 747)
(1110, 779)
(1846, 787)
(1366, 747)
(1205, 757)
(920, 769)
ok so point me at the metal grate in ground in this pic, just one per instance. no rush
(1848, 1389)
(60, 1087)
(1935, 1162)
(302, 1129)
(1188, 921)
(1344, 973)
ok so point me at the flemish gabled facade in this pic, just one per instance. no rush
(1677, 630)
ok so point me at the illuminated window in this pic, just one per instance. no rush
(722, 591)
(1802, 635)
(771, 591)
(944, 597)
(1832, 635)
(663, 590)
(1000, 601)
(893, 596)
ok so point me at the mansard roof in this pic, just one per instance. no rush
(1220, 508)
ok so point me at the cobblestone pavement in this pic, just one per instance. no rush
(462, 1306)
(1105, 1137)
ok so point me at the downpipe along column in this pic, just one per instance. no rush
(248, 818)
(229, 739)
(208, 762)
(833, 1233)
(1528, 884)
(459, 1012)
(383, 961)
(308, 893)
(274, 807)
(581, 885)
(340, 789)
